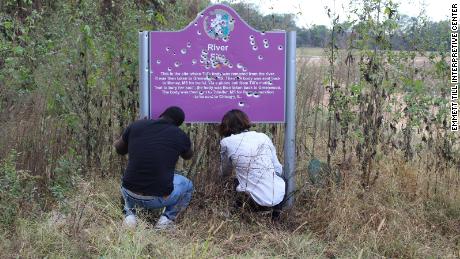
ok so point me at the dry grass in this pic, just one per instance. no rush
(394, 219)
(89, 225)
(310, 52)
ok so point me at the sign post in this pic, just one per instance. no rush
(219, 63)
(144, 75)
(289, 132)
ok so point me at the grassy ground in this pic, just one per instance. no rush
(394, 219)
(90, 225)
(310, 52)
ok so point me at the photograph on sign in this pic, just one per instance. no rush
(218, 63)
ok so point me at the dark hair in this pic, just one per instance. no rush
(234, 122)
(175, 114)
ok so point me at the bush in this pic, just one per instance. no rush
(65, 175)
(17, 189)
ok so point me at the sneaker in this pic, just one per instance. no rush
(130, 221)
(164, 223)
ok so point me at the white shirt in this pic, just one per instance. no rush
(258, 170)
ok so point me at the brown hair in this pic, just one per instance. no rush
(234, 122)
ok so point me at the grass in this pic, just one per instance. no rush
(310, 52)
(201, 233)
(321, 52)
(391, 220)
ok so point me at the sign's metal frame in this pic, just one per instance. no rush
(289, 133)
(144, 89)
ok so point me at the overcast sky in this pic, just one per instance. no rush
(313, 11)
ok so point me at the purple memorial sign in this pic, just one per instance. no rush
(218, 63)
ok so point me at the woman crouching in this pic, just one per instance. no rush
(258, 172)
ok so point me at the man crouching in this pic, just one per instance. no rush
(150, 180)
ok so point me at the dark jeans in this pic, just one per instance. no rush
(244, 201)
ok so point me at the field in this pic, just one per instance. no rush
(311, 52)
(376, 119)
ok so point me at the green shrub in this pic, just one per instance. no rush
(65, 174)
(17, 190)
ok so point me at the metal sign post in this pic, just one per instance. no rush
(289, 132)
(144, 94)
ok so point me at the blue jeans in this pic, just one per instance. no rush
(177, 201)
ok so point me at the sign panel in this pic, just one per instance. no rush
(218, 63)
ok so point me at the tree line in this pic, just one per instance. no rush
(435, 35)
